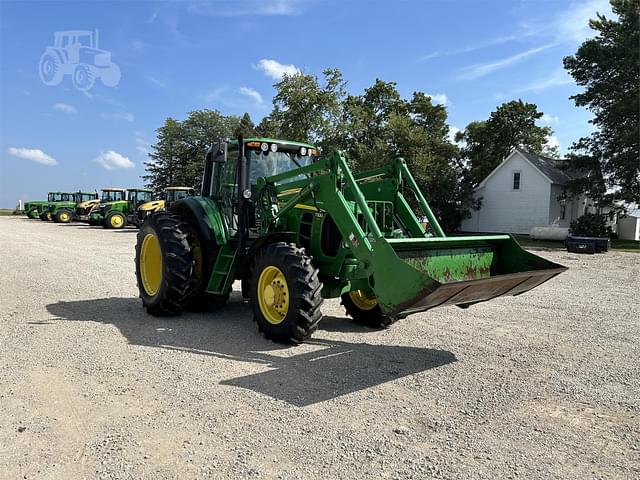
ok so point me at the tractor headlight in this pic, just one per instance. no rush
(247, 194)
(274, 148)
(264, 147)
(303, 151)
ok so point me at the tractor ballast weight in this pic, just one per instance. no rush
(309, 227)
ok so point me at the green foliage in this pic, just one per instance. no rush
(607, 67)
(512, 125)
(304, 109)
(177, 156)
(589, 225)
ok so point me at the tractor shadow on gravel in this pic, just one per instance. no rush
(322, 370)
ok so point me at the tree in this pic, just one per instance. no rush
(246, 128)
(304, 109)
(178, 155)
(511, 125)
(607, 66)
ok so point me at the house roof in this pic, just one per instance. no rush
(556, 170)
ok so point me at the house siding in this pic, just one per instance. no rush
(512, 211)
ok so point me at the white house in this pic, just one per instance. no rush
(523, 192)
(629, 225)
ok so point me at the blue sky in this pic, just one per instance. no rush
(179, 56)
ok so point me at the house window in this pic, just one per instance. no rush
(516, 180)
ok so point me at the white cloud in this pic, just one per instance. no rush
(251, 93)
(142, 144)
(470, 48)
(572, 25)
(557, 78)
(127, 116)
(452, 133)
(137, 45)
(440, 98)
(156, 82)
(549, 119)
(275, 69)
(33, 154)
(553, 141)
(234, 8)
(111, 160)
(65, 107)
(481, 69)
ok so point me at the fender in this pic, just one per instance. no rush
(204, 215)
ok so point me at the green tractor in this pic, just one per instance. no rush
(117, 214)
(296, 229)
(31, 209)
(169, 196)
(64, 211)
(91, 213)
(44, 211)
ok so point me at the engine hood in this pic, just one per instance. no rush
(154, 205)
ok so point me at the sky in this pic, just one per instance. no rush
(164, 59)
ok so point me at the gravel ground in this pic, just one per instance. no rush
(543, 385)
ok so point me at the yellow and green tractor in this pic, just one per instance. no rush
(118, 214)
(64, 210)
(296, 228)
(107, 194)
(169, 196)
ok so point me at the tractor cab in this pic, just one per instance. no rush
(81, 197)
(138, 196)
(173, 194)
(113, 195)
(231, 163)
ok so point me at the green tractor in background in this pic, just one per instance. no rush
(44, 210)
(64, 211)
(86, 209)
(31, 208)
(296, 229)
(117, 214)
(169, 196)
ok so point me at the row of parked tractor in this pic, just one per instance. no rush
(111, 208)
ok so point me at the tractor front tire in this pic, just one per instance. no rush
(201, 300)
(285, 293)
(115, 220)
(365, 310)
(63, 216)
(164, 264)
(45, 217)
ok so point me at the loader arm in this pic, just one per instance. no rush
(406, 267)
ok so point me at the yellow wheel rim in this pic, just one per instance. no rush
(64, 217)
(47, 216)
(151, 264)
(273, 295)
(116, 221)
(363, 300)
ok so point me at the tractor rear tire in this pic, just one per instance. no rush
(63, 216)
(115, 220)
(202, 301)
(285, 293)
(164, 264)
(364, 312)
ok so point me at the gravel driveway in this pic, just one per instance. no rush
(543, 385)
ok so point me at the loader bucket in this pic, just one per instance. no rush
(457, 271)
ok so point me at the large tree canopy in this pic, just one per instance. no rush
(178, 155)
(608, 67)
(511, 125)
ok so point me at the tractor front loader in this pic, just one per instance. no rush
(296, 229)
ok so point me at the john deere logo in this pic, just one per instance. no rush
(76, 53)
